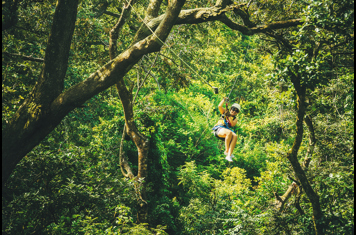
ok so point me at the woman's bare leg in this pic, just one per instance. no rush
(232, 144)
(228, 141)
(227, 134)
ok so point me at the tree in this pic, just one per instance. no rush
(308, 64)
(302, 66)
(47, 103)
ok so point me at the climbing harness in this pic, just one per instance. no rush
(226, 124)
(218, 127)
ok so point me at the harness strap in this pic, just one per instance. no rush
(227, 126)
(223, 126)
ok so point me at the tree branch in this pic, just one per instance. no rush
(312, 140)
(152, 9)
(292, 156)
(279, 39)
(281, 200)
(24, 57)
(217, 12)
(114, 32)
(112, 14)
(245, 17)
(297, 201)
(260, 29)
(51, 81)
(124, 165)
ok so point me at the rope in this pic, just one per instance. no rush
(168, 47)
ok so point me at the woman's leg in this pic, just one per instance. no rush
(228, 139)
(232, 143)
(228, 135)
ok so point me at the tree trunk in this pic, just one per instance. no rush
(293, 158)
(141, 141)
(142, 144)
(312, 140)
(47, 104)
(34, 119)
(130, 128)
(294, 188)
(44, 109)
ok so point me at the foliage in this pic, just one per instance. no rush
(72, 183)
(210, 198)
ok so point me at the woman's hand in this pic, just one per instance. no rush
(221, 108)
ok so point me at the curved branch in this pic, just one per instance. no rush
(124, 165)
(260, 29)
(312, 140)
(245, 17)
(217, 12)
(280, 40)
(114, 32)
(191, 16)
(200, 15)
(293, 157)
(297, 201)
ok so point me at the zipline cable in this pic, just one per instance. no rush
(232, 87)
(237, 76)
(215, 88)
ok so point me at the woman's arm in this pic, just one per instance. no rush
(233, 122)
(221, 108)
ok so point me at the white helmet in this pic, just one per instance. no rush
(236, 105)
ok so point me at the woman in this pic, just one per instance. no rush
(222, 129)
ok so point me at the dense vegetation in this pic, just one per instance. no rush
(300, 75)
